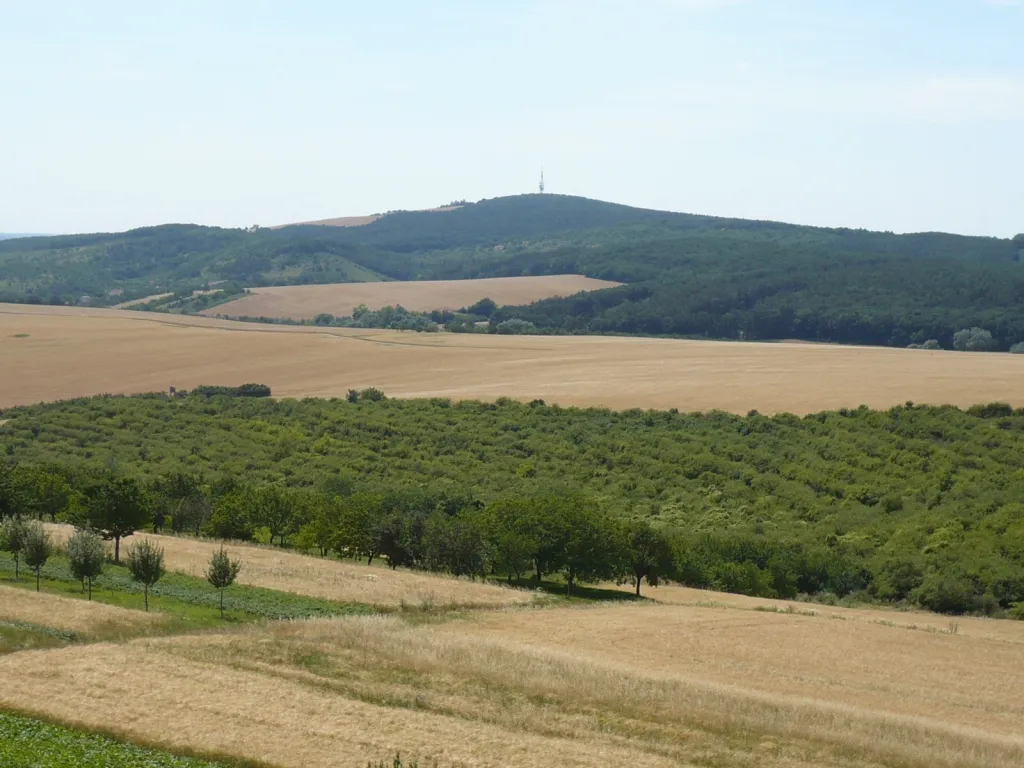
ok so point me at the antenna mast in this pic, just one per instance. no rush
(540, 187)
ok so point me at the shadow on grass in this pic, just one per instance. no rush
(580, 593)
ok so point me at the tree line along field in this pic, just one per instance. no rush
(915, 505)
(307, 301)
(123, 351)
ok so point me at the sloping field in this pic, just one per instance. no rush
(302, 302)
(52, 353)
(629, 685)
(39, 608)
(329, 579)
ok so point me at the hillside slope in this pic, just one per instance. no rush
(688, 275)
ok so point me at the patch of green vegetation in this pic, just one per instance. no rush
(19, 336)
(25, 636)
(29, 743)
(190, 599)
(912, 505)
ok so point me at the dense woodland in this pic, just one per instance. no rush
(687, 275)
(913, 505)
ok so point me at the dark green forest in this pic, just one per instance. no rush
(687, 275)
(915, 505)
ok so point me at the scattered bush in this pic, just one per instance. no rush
(973, 340)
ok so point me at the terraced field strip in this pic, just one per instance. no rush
(273, 568)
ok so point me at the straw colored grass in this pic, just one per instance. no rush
(273, 568)
(923, 621)
(81, 616)
(302, 302)
(125, 351)
(620, 685)
(956, 680)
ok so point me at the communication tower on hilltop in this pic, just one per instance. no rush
(540, 187)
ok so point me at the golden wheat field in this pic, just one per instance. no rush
(628, 684)
(67, 613)
(303, 302)
(52, 353)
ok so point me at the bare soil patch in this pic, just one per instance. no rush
(74, 352)
(303, 302)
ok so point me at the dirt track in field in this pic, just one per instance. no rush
(303, 302)
(52, 353)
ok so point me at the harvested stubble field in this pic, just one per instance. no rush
(273, 568)
(65, 352)
(632, 685)
(303, 302)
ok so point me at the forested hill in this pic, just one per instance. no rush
(688, 275)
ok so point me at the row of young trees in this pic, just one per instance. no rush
(86, 557)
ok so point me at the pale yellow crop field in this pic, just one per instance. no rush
(303, 302)
(636, 685)
(17, 604)
(51, 353)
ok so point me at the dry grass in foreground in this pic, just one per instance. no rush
(81, 616)
(125, 351)
(955, 681)
(622, 685)
(303, 302)
(274, 568)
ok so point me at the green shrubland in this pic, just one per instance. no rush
(913, 505)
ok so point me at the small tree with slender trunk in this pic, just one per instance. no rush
(85, 557)
(37, 548)
(145, 563)
(12, 539)
(222, 573)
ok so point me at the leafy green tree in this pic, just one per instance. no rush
(648, 554)
(484, 307)
(361, 527)
(44, 493)
(592, 549)
(13, 532)
(232, 516)
(186, 498)
(511, 535)
(273, 509)
(455, 543)
(322, 518)
(85, 557)
(974, 340)
(37, 547)
(145, 563)
(222, 573)
(115, 509)
(11, 503)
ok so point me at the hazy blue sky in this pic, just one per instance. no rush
(888, 114)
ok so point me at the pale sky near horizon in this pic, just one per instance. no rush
(905, 115)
